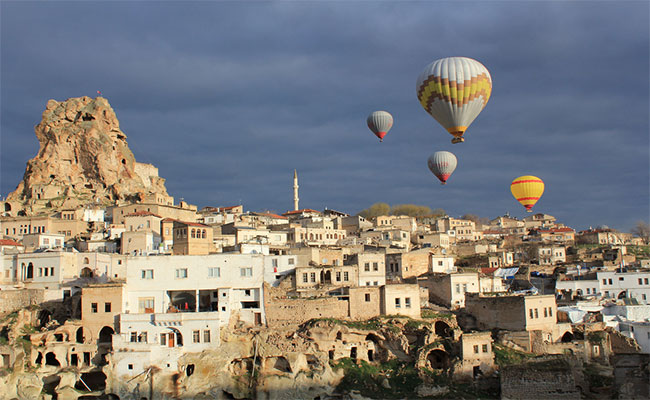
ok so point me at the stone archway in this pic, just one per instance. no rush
(442, 329)
(567, 337)
(106, 335)
(622, 295)
(86, 273)
(438, 359)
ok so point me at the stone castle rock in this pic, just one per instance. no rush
(83, 158)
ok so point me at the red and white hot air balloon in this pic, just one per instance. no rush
(380, 123)
(442, 164)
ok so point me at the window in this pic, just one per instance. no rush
(464, 288)
(196, 336)
(304, 277)
(338, 277)
(485, 348)
(530, 312)
(366, 267)
(145, 305)
(142, 337)
(620, 278)
(312, 277)
(93, 307)
(134, 337)
(606, 293)
(367, 296)
(290, 261)
(147, 274)
(643, 296)
(588, 290)
(440, 263)
(246, 272)
(181, 273)
(407, 302)
(346, 276)
(476, 349)
(398, 303)
(107, 307)
(376, 283)
(247, 292)
(206, 336)
(596, 350)
(545, 312)
(163, 339)
(274, 263)
(375, 266)
(458, 288)
(645, 280)
(51, 271)
(536, 314)
(610, 282)
(214, 272)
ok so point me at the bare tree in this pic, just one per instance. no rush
(642, 230)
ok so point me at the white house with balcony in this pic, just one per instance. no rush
(230, 284)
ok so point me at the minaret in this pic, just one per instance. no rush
(295, 190)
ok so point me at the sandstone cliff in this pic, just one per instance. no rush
(83, 158)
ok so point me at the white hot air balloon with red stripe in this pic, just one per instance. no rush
(380, 123)
(442, 164)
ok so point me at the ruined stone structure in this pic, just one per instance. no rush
(83, 158)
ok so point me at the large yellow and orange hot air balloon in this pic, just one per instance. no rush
(454, 90)
(527, 190)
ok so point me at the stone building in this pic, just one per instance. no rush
(477, 357)
(192, 238)
(513, 312)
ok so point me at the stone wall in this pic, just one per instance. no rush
(14, 300)
(551, 379)
(282, 313)
(507, 312)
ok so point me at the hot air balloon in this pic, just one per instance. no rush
(454, 90)
(442, 164)
(380, 123)
(527, 190)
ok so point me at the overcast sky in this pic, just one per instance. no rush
(227, 98)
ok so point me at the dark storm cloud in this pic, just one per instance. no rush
(226, 99)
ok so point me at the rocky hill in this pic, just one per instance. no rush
(83, 158)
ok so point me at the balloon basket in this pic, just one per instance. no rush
(457, 140)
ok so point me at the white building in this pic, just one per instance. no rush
(226, 283)
(625, 285)
(160, 339)
(34, 241)
(277, 267)
(551, 255)
(639, 331)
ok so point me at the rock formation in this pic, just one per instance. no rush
(83, 158)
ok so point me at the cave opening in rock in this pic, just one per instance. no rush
(50, 359)
(95, 380)
(189, 370)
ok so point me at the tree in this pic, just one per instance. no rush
(375, 210)
(642, 230)
(411, 210)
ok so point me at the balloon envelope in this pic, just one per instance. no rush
(454, 90)
(527, 190)
(442, 164)
(380, 123)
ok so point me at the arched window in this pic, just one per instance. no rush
(86, 261)
(203, 234)
(193, 233)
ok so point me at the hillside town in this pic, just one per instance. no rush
(118, 290)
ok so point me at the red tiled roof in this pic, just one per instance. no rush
(553, 230)
(488, 270)
(9, 242)
(272, 215)
(142, 214)
(301, 211)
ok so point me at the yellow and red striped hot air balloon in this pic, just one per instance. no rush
(454, 90)
(527, 190)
